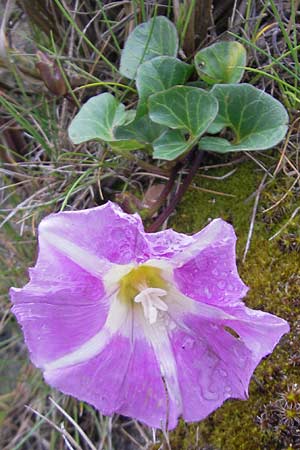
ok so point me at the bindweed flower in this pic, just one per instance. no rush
(148, 325)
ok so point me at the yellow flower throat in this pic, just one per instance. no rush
(141, 276)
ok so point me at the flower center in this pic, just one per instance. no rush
(145, 285)
(150, 298)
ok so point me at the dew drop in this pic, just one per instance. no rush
(188, 343)
(223, 372)
(207, 293)
(256, 346)
(227, 390)
(177, 401)
(104, 401)
(240, 358)
(212, 359)
(158, 248)
(210, 394)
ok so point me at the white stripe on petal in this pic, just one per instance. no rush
(84, 259)
(200, 241)
(116, 320)
(157, 335)
(180, 304)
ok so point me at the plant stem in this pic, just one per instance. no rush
(178, 196)
(167, 189)
(143, 164)
(151, 168)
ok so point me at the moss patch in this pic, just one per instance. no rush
(271, 270)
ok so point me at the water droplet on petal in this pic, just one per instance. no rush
(240, 358)
(256, 346)
(188, 343)
(207, 293)
(210, 394)
(104, 401)
(177, 401)
(212, 359)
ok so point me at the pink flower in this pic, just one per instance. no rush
(116, 317)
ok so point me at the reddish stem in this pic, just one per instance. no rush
(178, 196)
(167, 189)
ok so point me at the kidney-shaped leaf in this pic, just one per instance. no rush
(157, 75)
(257, 120)
(170, 145)
(142, 129)
(97, 119)
(154, 38)
(222, 62)
(188, 108)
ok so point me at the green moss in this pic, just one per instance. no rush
(270, 270)
(198, 207)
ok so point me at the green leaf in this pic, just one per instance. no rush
(170, 145)
(141, 129)
(187, 108)
(126, 145)
(130, 116)
(158, 75)
(216, 144)
(223, 62)
(97, 119)
(257, 120)
(154, 38)
(214, 128)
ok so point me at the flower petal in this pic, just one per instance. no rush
(95, 371)
(144, 393)
(216, 357)
(210, 274)
(180, 247)
(124, 371)
(157, 336)
(60, 308)
(117, 318)
(167, 243)
(259, 330)
(216, 350)
(96, 237)
(98, 380)
(208, 372)
(123, 378)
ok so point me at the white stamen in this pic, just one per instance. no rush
(151, 302)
